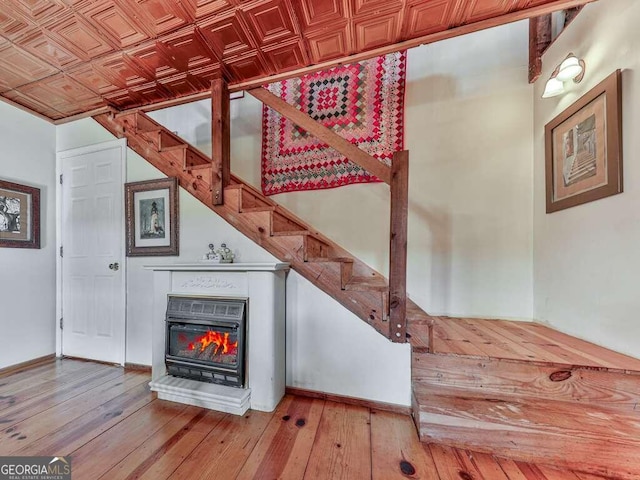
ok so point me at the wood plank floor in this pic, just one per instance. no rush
(114, 428)
(527, 341)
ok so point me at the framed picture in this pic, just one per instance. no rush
(583, 148)
(152, 218)
(19, 216)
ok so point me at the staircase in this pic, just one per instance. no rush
(331, 268)
(513, 389)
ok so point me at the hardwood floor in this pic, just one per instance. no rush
(114, 428)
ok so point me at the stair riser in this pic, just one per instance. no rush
(611, 459)
(522, 417)
(498, 378)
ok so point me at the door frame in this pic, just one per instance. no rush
(60, 156)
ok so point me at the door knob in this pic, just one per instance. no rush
(114, 266)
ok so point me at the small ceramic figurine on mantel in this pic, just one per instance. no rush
(220, 255)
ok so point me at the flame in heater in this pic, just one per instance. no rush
(221, 341)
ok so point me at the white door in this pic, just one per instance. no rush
(92, 263)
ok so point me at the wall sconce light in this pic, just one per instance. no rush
(571, 68)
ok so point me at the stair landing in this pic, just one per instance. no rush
(526, 341)
(528, 392)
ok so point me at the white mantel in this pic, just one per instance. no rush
(264, 285)
(207, 266)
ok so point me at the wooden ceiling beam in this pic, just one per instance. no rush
(539, 41)
(346, 148)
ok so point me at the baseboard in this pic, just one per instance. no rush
(387, 407)
(138, 367)
(28, 364)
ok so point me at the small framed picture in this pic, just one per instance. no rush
(584, 148)
(152, 218)
(19, 216)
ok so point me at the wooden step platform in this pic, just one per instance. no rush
(531, 393)
(115, 428)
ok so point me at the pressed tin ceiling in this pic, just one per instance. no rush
(60, 58)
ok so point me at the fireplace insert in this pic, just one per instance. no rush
(205, 339)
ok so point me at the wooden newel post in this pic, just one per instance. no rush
(220, 139)
(398, 246)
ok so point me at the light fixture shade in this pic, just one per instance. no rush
(570, 68)
(553, 87)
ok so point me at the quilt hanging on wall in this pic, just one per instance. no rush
(362, 102)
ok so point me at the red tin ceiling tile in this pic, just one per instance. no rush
(272, 21)
(115, 22)
(373, 7)
(40, 10)
(321, 13)
(19, 67)
(32, 104)
(287, 56)
(150, 93)
(162, 16)
(227, 36)
(200, 9)
(376, 31)
(183, 84)
(47, 49)
(329, 44)
(13, 24)
(123, 99)
(187, 49)
(75, 34)
(122, 71)
(248, 66)
(476, 10)
(151, 58)
(92, 79)
(423, 18)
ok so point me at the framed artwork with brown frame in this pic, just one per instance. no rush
(19, 215)
(152, 227)
(583, 148)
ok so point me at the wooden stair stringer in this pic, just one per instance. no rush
(579, 417)
(368, 304)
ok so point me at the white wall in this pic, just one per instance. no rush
(28, 276)
(587, 261)
(317, 326)
(469, 130)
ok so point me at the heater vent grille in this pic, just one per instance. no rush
(192, 308)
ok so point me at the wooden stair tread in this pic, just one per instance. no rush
(531, 430)
(285, 233)
(174, 147)
(526, 341)
(367, 283)
(198, 167)
(331, 259)
(149, 130)
(266, 208)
